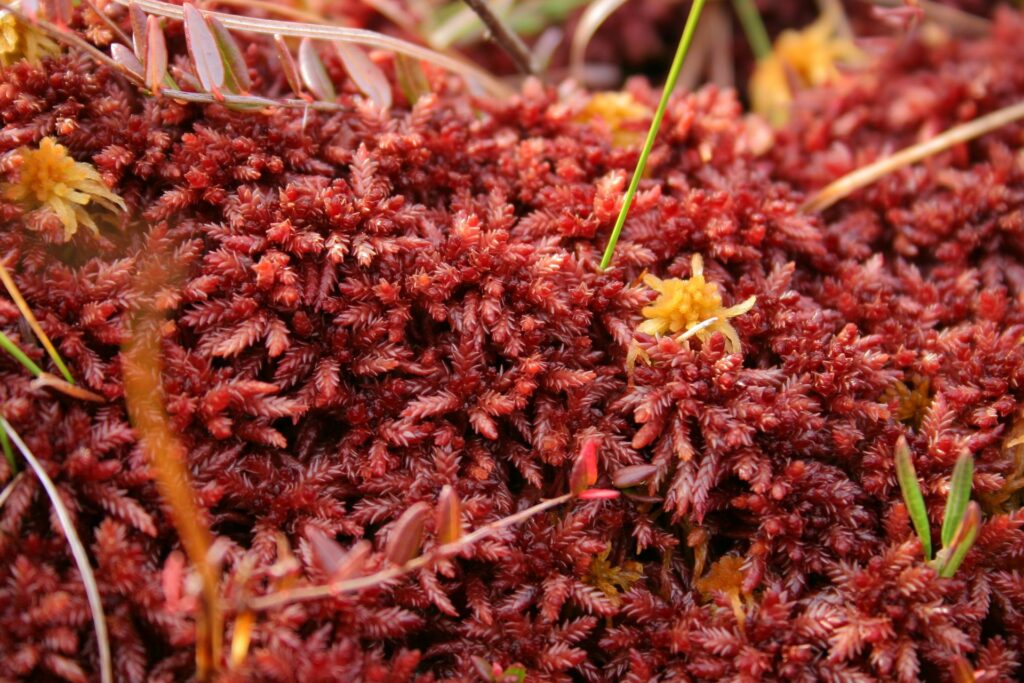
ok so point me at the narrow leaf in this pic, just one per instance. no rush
(412, 81)
(962, 540)
(959, 494)
(314, 73)
(236, 70)
(139, 23)
(911, 489)
(633, 475)
(288, 66)
(9, 454)
(127, 59)
(407, 534)
(449, 516)
(202, 48)
(156, 55)
(19, 355)
(367, 76)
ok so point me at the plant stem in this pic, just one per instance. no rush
(78, 552)
(659, 114)
(26, 312)
(864, 176)
(19, 355)
(753, 28)
(504, 36)
(317, 592)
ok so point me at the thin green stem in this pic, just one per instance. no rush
(753, 28)
(19, 355)
(8, 451)
(670, 84)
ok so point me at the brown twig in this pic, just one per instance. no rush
(504, 36)
(307, 593)
(864, 176)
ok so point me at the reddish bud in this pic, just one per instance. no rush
(449, 516)
(634, 475)
(584, 470)
(407, 534)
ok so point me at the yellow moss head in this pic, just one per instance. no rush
(684, 305)
(808, 57)
(18, 41)
(49, 177)
(621, 112)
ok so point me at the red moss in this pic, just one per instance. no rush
(363, 309)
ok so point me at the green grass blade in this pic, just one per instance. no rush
(911, 489)
(959, 495)
(19, 355)
(753, 28)
(8, 453)
(670, 84)
(962, 541)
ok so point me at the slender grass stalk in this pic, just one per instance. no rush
(23, 307)
(753, 28)
(670, 84)
(19, 355)
(92, 591)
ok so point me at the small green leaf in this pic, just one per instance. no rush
(962, 541)
(411, 79)
(288, 66)
(314, 73)
(911, 489)
(514, 674)
(959, 495)
(236, 74)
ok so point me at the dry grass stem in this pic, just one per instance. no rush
(862, 177)
(504, 36)
(92, 591)
(307, 593)
(30, 318)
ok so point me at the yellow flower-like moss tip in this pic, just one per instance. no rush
(621, 112)
(684, 305)
(49, 177)
(18, 41)
(808, 57)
